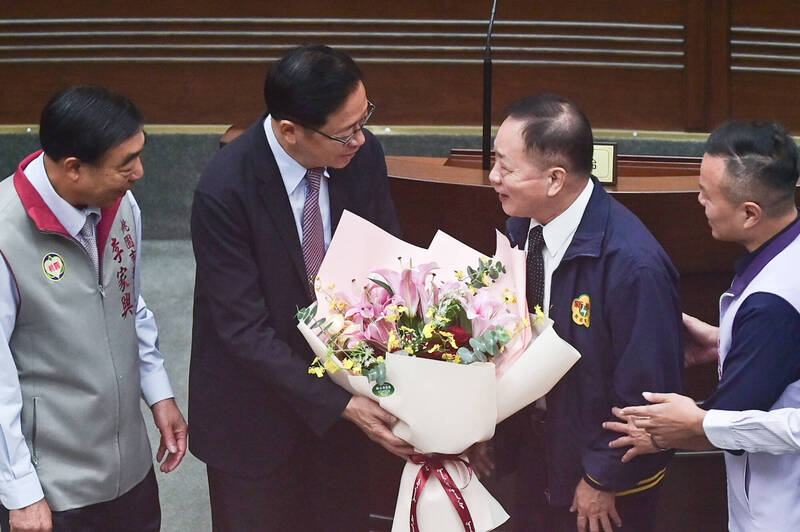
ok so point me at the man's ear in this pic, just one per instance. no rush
(289, 131)
(557, 176)
(752, 214)
(70, 166)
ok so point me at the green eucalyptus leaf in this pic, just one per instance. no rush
(476, 344)
(467, 356)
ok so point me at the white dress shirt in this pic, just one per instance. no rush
(294, 179)
(19, 484)
(558, 235)
(754, 431)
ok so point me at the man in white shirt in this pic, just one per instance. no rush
(748, 181)
(78, 346)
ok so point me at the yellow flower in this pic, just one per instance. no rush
(316, 359)
(457, 360)
(430, 313)
(449, 338)
(407, 329)
(318, 371)
(473, 290)
(538, 314)
(331, 366)
(357, 370)
(347, 363)
(401, 309)
(409, 350)
(391, 317)
(484, 260)
(427, 331)
(393, 342)
(459, 275)
(485, 279)
(434, 348)
(448, 356)
(509, 296)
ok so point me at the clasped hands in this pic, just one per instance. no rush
(671, 421)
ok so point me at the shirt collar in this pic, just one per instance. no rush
(558, 231)
(71, 218)
(292, 172)
(748, 266)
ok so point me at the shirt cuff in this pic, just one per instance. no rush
(21, 492)
(156, 386)
(717, 426)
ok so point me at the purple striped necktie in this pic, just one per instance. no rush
(313, 233)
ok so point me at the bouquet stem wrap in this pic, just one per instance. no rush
(434, 464)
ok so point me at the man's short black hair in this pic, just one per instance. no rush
(84, 121)
(556, 130)
(761, 163)
(309, 83)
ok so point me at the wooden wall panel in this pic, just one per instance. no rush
(672, 64)
(192, 63)
(764, 74)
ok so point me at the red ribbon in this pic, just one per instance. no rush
(434, 463)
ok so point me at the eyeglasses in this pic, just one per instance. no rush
(359, 127)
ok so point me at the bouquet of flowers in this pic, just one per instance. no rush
(410, 312)
(444, 342)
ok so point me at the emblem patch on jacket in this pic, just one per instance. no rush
(53, 266)
(581, 310)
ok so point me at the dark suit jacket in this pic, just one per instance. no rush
(250, 395)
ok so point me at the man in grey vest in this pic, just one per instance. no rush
(78, 346)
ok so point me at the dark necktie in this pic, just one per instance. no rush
(313, 235)
(535, 277)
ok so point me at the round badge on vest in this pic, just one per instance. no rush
(53, 266)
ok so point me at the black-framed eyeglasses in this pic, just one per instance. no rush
(359, 127)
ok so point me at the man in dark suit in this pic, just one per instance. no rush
(279, 450)
(612, 292)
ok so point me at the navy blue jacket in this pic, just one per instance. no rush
(629, 337)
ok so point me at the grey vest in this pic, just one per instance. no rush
(76, 350)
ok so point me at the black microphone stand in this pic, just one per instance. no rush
(487, 93)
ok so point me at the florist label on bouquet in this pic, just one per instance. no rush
(383, 390)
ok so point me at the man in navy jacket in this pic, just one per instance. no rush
(612, 293)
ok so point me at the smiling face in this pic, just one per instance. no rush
(101, 184)
(521, 184)
(311, 149)
(725, 217)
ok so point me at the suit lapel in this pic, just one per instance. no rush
(276, 202)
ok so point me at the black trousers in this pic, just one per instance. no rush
(322, 487)
(137, 510)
